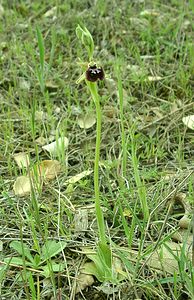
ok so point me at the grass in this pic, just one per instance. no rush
(146, 155)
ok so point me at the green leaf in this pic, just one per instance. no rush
(17, 261)
(51, 248)
(91, 268)
(55, 268)
(32, 286)
(22, 249)
(104, 266)
(41, 47)
(105, 254)
(37, 260)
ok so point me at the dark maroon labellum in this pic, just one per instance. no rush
(94, 73)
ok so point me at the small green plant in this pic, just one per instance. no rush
(41, 261)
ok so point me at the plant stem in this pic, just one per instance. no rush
(99, 213)
(123, 136)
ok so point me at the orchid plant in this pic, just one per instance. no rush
(92, 74)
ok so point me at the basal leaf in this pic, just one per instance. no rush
(22, 250)
(53, 267)
(52, 248)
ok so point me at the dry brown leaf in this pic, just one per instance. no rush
(57, 146)
(182, 199)
(111, 85)
(189, 121)
(41, 141)
(51, 12)
(78, 177)
(1, 246)
(149, 13)
(174, 107)
(164, 260)
(110, 111)
(22, 159)
(22, 186)
(84, 280)
(40, 115)
(185, 222)
(182, 235)
(81, 220)
(86, 121)
(51, 86)
(154, 78)
(24, 84)
(48, 169)
(139, 23)
(2, 11)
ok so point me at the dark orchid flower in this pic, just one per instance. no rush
(94, 73)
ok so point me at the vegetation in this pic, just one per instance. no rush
(96, 177)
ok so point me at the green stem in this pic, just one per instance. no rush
(123, 137)
(99, 213)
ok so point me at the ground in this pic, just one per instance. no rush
(146, 152)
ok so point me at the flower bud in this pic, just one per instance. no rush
(85, 36)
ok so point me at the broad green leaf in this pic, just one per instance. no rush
(17, 261)
(22, 250)
(94, 257)
(91, 268)
(55, 268)
(105, 254)
(52, 248)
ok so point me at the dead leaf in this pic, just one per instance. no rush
(41, 141)
(110, 111)
(22, 186)
(149, 13)
(48, 169)
(127, 213)
(57, 110)
(78, 177)
(40, 115)
(86, 121)
(57, 146)
(75, 110)
(1, 246)
(185, 222)
(174, 107)
(181, 198)
(51, 12)
(108, 288)
(164, 259)
(139, 23)
(2, 11)
(137, 70)
(83, 281)
(111, 85)
(154, 78)
(51, 86)
(24, 84)
(189, 121)
(183, 236)
(22, 159)
(81, 220)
